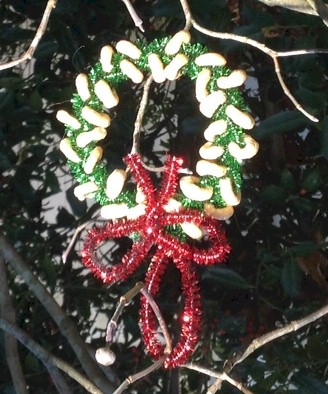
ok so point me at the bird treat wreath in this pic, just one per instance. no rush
(186, 207)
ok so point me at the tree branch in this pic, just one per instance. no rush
(320, 9)
(7, 312)
(135, 17)
(303, 6)
(35, 42)
(140, 115)
(270, 52)
(64, 323)
(266, 338)
(50, 361)
(221, 376)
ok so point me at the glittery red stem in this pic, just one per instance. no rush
(130, 261)
(141, 176)
(148, 322)
(190, 318)
(170, 180)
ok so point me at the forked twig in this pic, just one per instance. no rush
(190, 21)
(139, 375)
(266, 338)
(221, 376)
(112, 326)
(50, 361)
(35, 42)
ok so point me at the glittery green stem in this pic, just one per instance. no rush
(114, 78)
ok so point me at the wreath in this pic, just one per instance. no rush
(185, 207)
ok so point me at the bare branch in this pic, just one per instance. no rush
(272, 53)
(311, 7)
(138, 123)
(320, 9)
(77, 231)
(135, 17)
(35, 42)
(64, 323)
(124, 301)
(133, 378)
(160, 320)
(50, 361)
(221, 376)
(112, 325)
(266, 338)
(140, 115)
(7, 312)
(291, 327)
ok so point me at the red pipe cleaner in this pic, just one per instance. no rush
(151, 228)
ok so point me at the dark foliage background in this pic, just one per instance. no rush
(278, 268)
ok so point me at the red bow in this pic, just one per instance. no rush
(151, 229)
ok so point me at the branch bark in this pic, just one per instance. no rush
(311, 7)
(266, 338)
(303, 6)
(64, 323)
(7, 312)
(221, 376)
(35, 42)
(190, 21)
(51, 362)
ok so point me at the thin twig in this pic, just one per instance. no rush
(112, 325)
(266, 338)
(125, 300)
(160, 319)
(138, 124)
(291, 327)
(187, 14)
(221, 376)
(77, 231)
(135, 17)
(7, 312)
(35, 42)
(50, 361)
(140, 115)
(133, 378)
(270, 52)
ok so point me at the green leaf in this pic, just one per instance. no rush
(291, 278)
(6, 100)
(324, 138)
(50, 271)
(275, 195)
(308, 384)
(312, 180)
(311, 99)
(303, 249)
(287, 180)
(304, 204)
(35, 101)
(226, 277)
(46, 49)
(284, 122)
